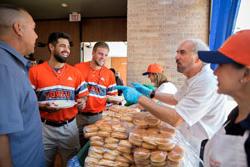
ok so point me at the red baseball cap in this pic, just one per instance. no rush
(235, 49)
(153, 68)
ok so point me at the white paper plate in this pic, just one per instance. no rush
(115, 98)
(60, 103)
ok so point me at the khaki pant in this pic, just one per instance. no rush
(63, 139)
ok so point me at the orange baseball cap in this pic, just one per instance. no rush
(153, 68)
(235, 49)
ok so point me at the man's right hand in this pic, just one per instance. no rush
(142, 89)
(130, 94)
(48, 107)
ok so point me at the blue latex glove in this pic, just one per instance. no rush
(130, 94)
(142, 89)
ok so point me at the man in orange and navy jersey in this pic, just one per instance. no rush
(101, 82)
(55, 81)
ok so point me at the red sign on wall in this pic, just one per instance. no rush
(74, 17)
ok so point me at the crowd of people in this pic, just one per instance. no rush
(33, 128)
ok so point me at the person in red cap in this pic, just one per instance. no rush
(160, 81)
(231, 145)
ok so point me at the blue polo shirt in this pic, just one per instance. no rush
(19, 114)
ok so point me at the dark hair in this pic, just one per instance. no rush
(100, 45)
(54, 36)
(113, 70)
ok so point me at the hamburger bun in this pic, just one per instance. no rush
(109, 156)
(91, 161)
(129, 157)
(111, 140)
(173, 164)
(158, 156)
(141, 154)
(148, 146)
(105, 162)
(97, 149)
(122, 159)
(176, 154)
(96, 143)
(124, 149)
(96, 138)
(95, 155)
(103, 133)
(90, 128)
(125, 143)
(119, 128)
(152, 121)
(121, 164)
(158, 164)
(119, 135)
(90, 134)
(106, 128)
(111, 146)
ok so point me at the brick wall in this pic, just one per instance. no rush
(155, 28)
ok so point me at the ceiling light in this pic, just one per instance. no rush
(64, 5)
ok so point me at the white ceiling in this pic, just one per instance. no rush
(52, 9)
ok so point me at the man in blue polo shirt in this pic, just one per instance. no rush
(20, 124)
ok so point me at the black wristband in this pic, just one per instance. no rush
(152, 94)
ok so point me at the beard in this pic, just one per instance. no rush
(99, 63)
(60, 59)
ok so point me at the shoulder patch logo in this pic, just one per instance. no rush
(70, 79)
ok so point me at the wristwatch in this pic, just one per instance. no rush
(152, 94)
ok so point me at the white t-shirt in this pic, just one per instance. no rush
(167, 87)
(201, 107)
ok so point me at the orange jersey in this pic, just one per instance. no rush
(100, 84)
(65, 84)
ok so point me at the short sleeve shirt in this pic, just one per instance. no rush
(201, 107)
(19, 115)
(100, 83)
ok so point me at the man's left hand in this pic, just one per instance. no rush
(81, 103)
